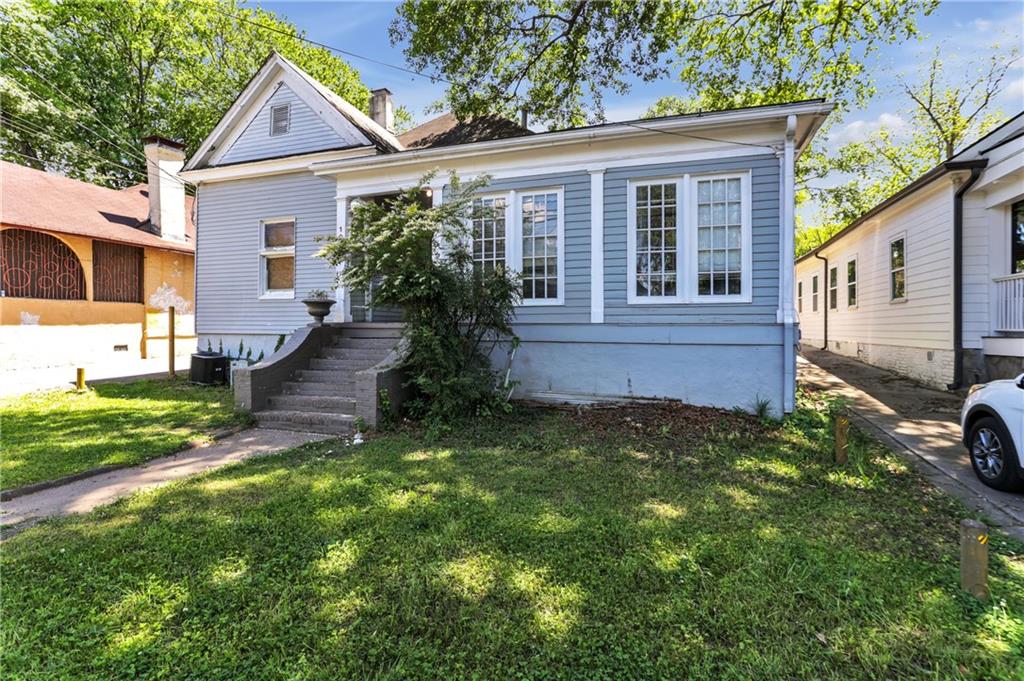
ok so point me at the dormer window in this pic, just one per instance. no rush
(280, 119)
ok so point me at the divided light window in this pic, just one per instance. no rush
(488, 221)
(898, 269)
(719, 237)
(280, 119)
(689, 239)
(657, 225)
(851, 283)
(540, 219)
(277, 257)
(800, 296)
(814, 293)
(833, 288)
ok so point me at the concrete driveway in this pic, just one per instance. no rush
(921, 423)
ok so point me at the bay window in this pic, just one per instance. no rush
(689, 239)
(277, 258)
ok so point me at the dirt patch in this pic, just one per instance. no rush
(665, 422)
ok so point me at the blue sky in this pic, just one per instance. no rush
(965, 29)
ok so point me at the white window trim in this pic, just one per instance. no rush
(815, 289)
(831, 288)
(276, 252)
(856, 282)
(686, 241)
(889, 268)
(288, 119)
(514, 237)
(682, 183)
(746, 239)
(800, 297)
(516, 259)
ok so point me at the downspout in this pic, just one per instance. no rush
(958, 270)
(787, 267)
(824, 298)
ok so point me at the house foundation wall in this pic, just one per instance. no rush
(727, 376)
(929, 366)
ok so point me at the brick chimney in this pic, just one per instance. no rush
(164, 158)
(382, 111)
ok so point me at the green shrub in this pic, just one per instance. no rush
(418, 257)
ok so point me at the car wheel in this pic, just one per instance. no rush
(992, 455)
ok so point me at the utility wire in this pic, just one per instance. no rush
(124, 147)
(296, 35)
(696, 137)
(24, 126)
(53, 88)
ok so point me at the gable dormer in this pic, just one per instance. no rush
(283, 111)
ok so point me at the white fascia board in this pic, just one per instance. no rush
(241, 103)
(673, 126)
(273, 166)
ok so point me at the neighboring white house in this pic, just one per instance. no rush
(887, 288)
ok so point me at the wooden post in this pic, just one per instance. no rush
(974, 558)
(80, 378)
(842, 429)
(170, 340)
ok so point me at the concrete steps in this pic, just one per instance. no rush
(307, 421)
(318, 397)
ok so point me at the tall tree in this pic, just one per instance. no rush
(557, 58)
(946, 110)
(82, 81)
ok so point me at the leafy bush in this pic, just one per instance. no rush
(418, 257)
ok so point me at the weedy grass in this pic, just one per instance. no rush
(48, 435)
(631, 542)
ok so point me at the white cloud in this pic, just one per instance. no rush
(860, 130)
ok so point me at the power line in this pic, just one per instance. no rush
(24, 126)
(696, 137)
(129, 150)
(54, 88)
(320, 44)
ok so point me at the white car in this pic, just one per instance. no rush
(992, 421)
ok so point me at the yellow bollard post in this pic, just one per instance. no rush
(80, 378)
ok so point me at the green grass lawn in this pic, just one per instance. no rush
(51, 434)
(662, 542)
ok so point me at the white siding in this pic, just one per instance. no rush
(925, 320)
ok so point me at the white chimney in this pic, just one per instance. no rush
(381, 110)
(164, 158)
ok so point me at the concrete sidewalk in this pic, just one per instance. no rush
(926, 430)
(84, 495)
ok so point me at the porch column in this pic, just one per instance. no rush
(343, 310)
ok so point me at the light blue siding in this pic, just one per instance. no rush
(765, 243)
(307, 132)
(716, 354)
(227, 251)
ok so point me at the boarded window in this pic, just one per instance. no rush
(116, 272)
(37, 265)
(280, 119)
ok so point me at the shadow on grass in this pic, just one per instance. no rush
(522, 546)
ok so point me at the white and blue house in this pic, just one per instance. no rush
(657, 254)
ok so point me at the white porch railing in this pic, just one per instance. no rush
(1010, 302)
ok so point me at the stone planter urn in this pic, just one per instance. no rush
(318, 307)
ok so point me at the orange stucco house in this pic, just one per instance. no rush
(89, 273)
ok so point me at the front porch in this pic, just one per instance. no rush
(1004, 350)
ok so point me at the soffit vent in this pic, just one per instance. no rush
(280, 119)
